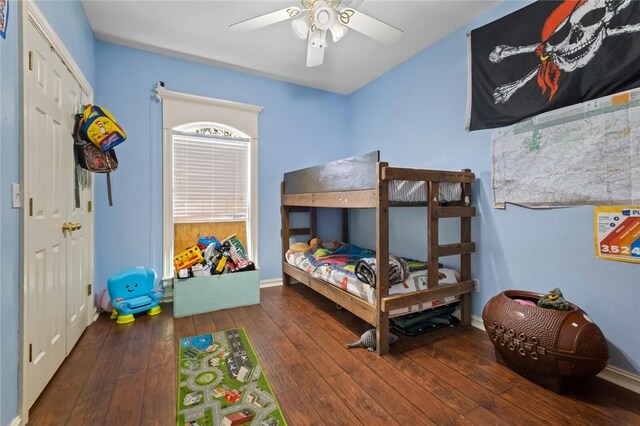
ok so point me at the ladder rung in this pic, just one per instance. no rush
(299, 231)
(455, 211)
(298, 209)
(454, 249)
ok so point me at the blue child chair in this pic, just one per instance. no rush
(132, 291)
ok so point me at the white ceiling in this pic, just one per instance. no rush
(199, 30)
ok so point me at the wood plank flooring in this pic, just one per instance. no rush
(126, 374)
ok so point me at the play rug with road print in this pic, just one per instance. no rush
(220, 382)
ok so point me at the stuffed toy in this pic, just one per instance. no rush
(305, 247)
(315, 242)
(554, 300)
(299, 247)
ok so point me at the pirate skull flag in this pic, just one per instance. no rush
(552, 54)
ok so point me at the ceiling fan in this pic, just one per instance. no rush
(316, 17)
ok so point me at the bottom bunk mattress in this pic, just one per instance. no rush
(336, 265)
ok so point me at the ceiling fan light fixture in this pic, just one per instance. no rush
(338, 31)
(301, 27)
(324, 17)
(319, 16)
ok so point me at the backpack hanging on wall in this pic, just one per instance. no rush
(89, 157)
(100, 128)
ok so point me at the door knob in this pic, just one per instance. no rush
(71, 227)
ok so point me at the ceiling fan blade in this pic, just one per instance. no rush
(315, 48)
(266, 20)
(369, 26)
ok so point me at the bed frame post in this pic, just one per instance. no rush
(284, 232)
(382, 260)
(465, 259)
(345, 225)
(433, 234)
(313, 222)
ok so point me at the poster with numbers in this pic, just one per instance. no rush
(4, 17)
(617, 233)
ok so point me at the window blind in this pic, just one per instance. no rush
(210, 178)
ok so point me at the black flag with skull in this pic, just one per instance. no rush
(552, 54)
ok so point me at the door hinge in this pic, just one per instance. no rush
(88, 289)
(30, 60)
(30, 352)
(88, 206)
(30, 206)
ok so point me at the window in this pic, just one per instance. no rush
(210, 151)
(210, 174)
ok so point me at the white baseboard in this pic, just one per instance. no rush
(477, 322)
(612, 374)
(16, 422)
(167, 286)
(274, 282)
(622, 378)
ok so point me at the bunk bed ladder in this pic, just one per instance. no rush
(463, 249)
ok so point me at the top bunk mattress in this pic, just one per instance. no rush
(336, 266)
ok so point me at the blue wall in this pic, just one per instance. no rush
(298, 127)
(9, 220)
(68, 20)
(415, 115)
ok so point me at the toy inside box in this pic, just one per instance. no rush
(212, 257)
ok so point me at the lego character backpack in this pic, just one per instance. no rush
(100, 128)
(90, 157)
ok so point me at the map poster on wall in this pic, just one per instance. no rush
(617, 233)
(585, 154)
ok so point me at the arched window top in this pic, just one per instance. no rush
(211, 129)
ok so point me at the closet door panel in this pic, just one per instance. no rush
(46, 161)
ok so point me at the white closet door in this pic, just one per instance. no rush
(57, 259)
(45, 151)
(79, 245)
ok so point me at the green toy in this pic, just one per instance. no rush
(554, 300)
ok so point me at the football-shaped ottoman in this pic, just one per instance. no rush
(545, 345)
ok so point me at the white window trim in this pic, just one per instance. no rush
(181, 108)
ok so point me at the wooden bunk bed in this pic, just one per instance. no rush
(363, 182)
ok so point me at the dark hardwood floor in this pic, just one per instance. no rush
(126, 374)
